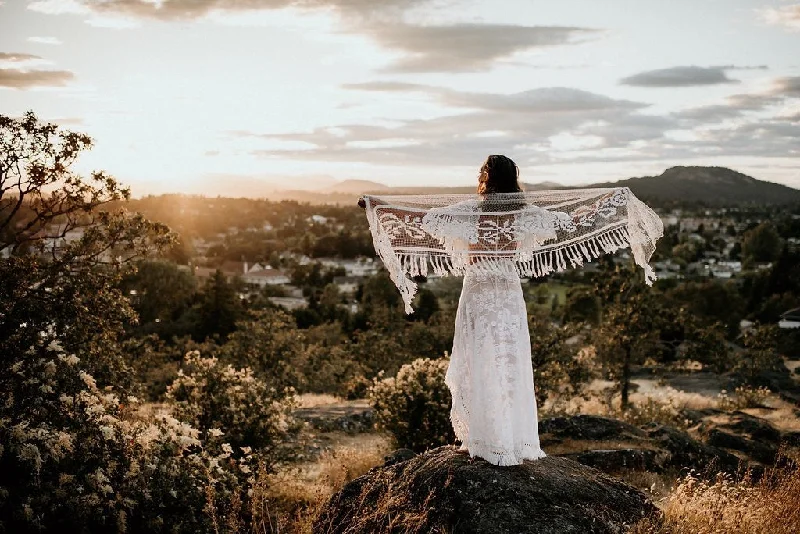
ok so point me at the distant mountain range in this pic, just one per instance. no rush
(711, 186)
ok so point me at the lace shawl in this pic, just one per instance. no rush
(534, 233)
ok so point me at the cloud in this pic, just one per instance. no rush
(788, 16)
(466, 47)
(185, 10)
(540, 100)
(550, 125)
(789, 87)
(45, 40)
(13, 57)
(681, 77)
(531, 123)
(738, 105)
(460, 47)
(25, 79)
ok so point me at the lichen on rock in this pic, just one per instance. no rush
(444, 490)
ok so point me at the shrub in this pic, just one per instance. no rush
(219, 398)
(651, 410)
(414, 406)
(75, 457)
(760, 358)
(743, 397)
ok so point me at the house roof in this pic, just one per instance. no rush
(266, 273)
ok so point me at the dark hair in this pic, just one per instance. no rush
(499, 174)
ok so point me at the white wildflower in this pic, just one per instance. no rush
(108, 432)
(69, 360)
(50, 368)
(215, 432)
(226, 447)
(88, 379)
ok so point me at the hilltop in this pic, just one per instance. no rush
(711, 186)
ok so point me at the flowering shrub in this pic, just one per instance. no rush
(414, 406)
(220, 399)
(74, 457)
(743, 397)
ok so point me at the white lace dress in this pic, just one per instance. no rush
(490, 375)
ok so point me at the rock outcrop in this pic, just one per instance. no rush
(612, 445)
(445, 490)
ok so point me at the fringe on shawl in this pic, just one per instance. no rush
(404, 265)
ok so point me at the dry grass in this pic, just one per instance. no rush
(657, 486)
(696, 506)
(290, 499)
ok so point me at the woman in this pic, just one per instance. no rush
(490, 374)
(492, 240)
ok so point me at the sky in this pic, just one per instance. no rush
(239, 97)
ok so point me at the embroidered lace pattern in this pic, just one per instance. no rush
(540, 231)
(492, 241)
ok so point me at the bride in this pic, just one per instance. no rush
(490, 374)
(492, 239)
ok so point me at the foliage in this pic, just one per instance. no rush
(651, 410)
(215, 397)
(414, 406)
(158, 290)
(627, 332)
(762, 243)
(271, 345)
(711, 301)
(759, 357)
(68, 287)
(582, 306)
(76, 457)
(743, 397)
(561, 370)
(638, 323)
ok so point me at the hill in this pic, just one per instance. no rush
(712, 186)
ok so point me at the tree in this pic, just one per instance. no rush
(711, 301)
(219, 308)
(159, 290)
(426, 305)
(557, 370)
(760, 357)
(271, 344)
(762, 243)
(627, 328)
(69, 246)
(582, 306)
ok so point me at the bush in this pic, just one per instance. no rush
(75, 457)
(760, 357)
(743, 397)
(415, 405)
(218, 398)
